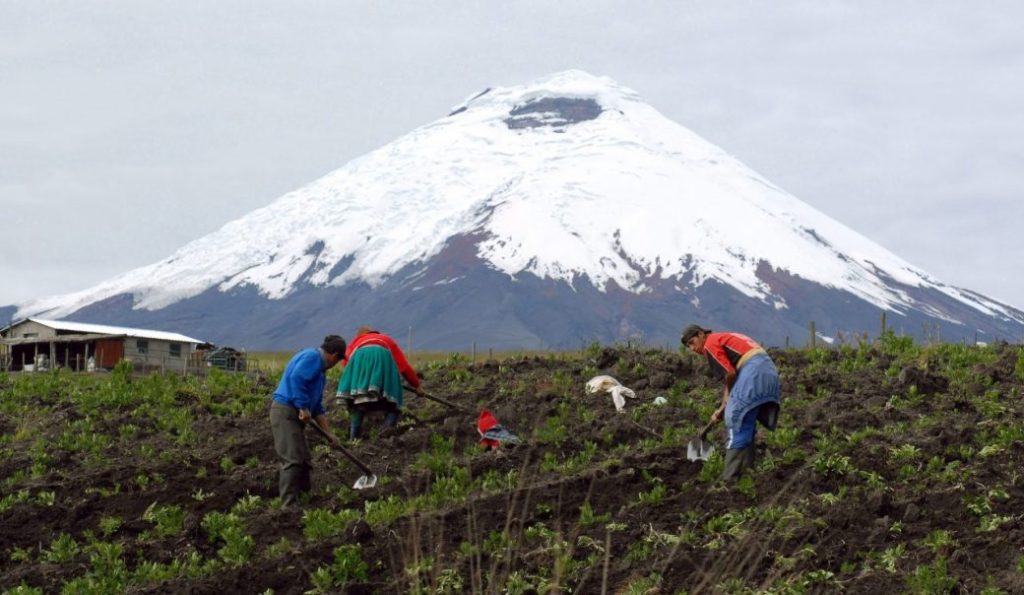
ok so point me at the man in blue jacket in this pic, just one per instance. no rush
(297, 401)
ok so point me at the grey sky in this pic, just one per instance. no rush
(129, 128)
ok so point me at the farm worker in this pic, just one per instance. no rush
(297, 400)
(751, 392)
(372, 380)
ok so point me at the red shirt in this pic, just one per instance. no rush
(725, 350)
(382, 340)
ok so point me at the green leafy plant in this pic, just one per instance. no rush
(347, 567)
(931, 578)
(63, 549)
(320, 524)
(168, 521)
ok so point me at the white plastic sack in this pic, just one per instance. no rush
(611, 385)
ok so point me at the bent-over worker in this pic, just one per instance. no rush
(751, 391)
(298, 400)
(372, 380)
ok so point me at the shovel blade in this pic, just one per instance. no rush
(699, 450)
(365, 482)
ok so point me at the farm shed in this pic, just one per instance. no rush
(35, 343)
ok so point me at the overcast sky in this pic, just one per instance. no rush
(128, 128)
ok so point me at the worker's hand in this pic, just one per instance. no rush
(717, 416)
(332, 439)
(304, 415)
(419, 391)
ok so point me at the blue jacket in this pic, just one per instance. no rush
(302, 384)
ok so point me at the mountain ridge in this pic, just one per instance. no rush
(570, 179)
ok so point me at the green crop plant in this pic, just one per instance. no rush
(441, 458)
(588, 518)
(931, 578)
(247, 504)
(939, 541)
(711, 470)
(318, 524)
(215, 523)
(639, 551)
(657, 492)
(495, 481)
(833, 465)
(538, 531)
(168, 521)
(10, 500)
(109, 525)
(497, 544)
(746, 486)
(554, 430)
(449, 582)
(890, 557)
(63, 549)
(385, 511)
(19, 554)
(454, 487)
(201, 495)
(238, 546)
(279, 549)
(644, 586)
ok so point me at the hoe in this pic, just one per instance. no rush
(365, 481)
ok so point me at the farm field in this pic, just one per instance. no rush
(896, 468)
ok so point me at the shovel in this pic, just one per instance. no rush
(366, 481)
(699, 449)
(444, 402)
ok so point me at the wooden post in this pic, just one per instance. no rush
(883, 324)
(787, 341)
(473, 362)
(408, 343)
(814, 336)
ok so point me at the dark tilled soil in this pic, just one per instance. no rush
(836, 508)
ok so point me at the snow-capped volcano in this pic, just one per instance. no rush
(570, 181)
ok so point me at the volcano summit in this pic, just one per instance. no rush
(551, 214)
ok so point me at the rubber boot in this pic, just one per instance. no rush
(355, 424)
(294, 481)
(736, 460)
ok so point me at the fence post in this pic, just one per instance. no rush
(883, 324)
(473, 362)
(814, 336)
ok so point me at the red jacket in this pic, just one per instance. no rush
(382, 340)
(726, 351)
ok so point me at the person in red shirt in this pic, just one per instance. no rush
(372, 380)
(751, 391)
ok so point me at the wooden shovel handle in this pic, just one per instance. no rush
(436, 399)
(351, 457)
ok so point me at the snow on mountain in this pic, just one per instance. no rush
(571, 176)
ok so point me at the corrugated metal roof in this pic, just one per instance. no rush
(102, 329)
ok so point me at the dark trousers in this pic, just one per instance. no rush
(290, 444)
(357, 411)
